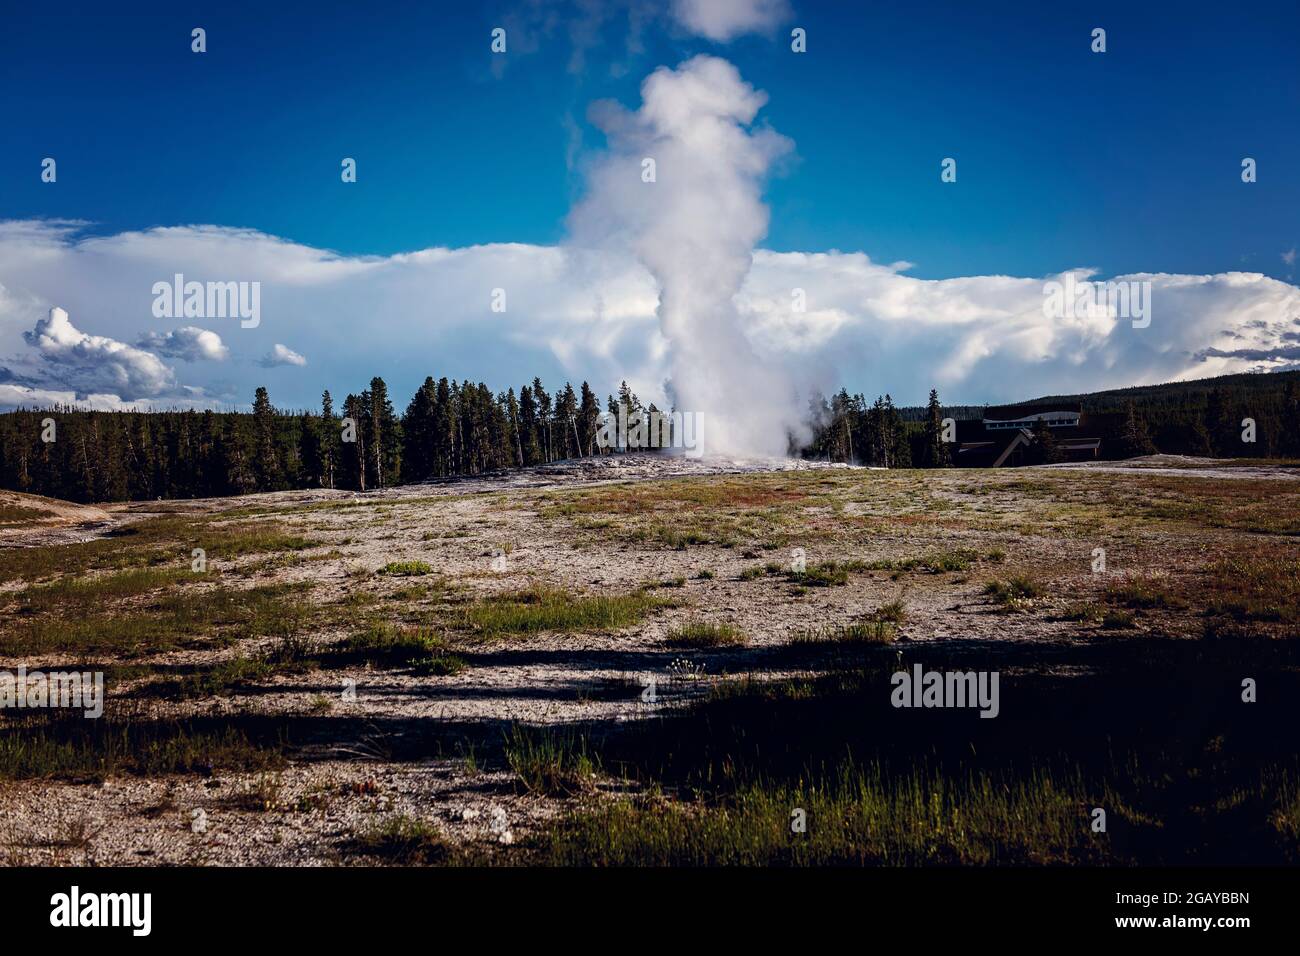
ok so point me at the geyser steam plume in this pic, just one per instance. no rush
(694, 228)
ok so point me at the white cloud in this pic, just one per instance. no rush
(97, 363)
(281, 355)
(590, 313)
(724, 20)
(189, 344)
(1289, 256)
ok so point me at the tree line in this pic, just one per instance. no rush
(454, 428)
(448, 428)
(847, 429)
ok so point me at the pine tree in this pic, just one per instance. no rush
(329, 440)
(238, 453)
(544, 421)
(1135, 440)
(1217, 424)
(529, 427)
(588, 420)
(1289, 421)
(566, 420)
(444, 431)
(419, 432)
(516, 442)
(937, 454)
(384, 435)
(353, 464)
(310, 452)
(1046, 449)
(265, 467)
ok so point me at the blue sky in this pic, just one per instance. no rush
(1123, 161)
(474, 170)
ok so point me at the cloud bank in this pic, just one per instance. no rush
(580, 313)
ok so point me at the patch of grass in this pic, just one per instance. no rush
(75, 748)
(1140, 594)
(11, 514)
(705, 575)
(260, 795)
(233, 541)
(955, 559)
(549, 762)
(1260, 591)
(412, 592)
(705, 495)
(669, 536)
(292, 653)
(702, 634)
(406, 569)
(680, 513)
(1117, 620)
(386, 645)
(861, 818)
(1013, 594)
(221, 679)
(76, 594)
(823, 575)
(548, 609)
(858, 632)
(403, 840)
(895, 612)
(157, 541)
(1082, 612)
(169, 621)
(440, 665)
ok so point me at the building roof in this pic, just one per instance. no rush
(1008, 413)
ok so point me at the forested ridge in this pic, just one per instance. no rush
(450, 428)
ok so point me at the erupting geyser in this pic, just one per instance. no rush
(694, 227)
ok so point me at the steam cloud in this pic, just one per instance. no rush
(695, 229)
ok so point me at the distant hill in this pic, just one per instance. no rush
(21, 514)
(1191, 394)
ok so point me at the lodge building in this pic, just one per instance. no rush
(1005, 435)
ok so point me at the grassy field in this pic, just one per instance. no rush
(690, 671)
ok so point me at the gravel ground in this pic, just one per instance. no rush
(307, 813)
